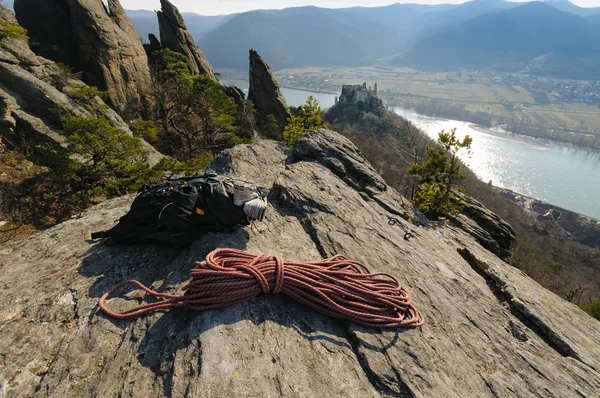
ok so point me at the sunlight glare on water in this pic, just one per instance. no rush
(563, 176)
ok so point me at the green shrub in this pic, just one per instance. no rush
(269, 127)
(439, 173)
(8, 29)
(433, 199)
(169, 167)
(86, 93)
(107, 161)
(307, 118)
(116, 17)
(195, 115)
(593, 309)
(64, 75)
(145, 129)
(68, 71)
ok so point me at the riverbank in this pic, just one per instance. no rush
(528, 202)
(553, 173)
(309, 90)
(556, 219)
(508, 136)
(556, 173)
(530, 134)
(533, 136)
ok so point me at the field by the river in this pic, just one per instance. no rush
(483, 97)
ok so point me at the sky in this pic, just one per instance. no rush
(216, 7)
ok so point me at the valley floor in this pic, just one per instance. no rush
(557, 109)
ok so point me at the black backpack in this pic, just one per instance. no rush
(178, 212)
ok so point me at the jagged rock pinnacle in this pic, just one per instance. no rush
(32, 88)
(102, 43)
(174, 36)
(266, 95)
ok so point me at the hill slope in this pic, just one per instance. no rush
(510, 40)
(567, 6)
(466, 33)
(146, 22)
(323, 37)
(595, 19)
(437, 19)
(306, 36)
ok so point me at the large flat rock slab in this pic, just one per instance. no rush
(490, 330)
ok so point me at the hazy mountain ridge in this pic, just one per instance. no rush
(510, 40)
(146, 22)
(351, 36)
(420, 34)
(567, 6)
(308, 37)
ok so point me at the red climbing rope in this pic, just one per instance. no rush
(338, 287)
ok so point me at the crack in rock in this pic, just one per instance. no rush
(382, 386)
(518, 310)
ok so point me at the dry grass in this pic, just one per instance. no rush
(14, 169)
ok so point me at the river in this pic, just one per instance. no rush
(553, 173)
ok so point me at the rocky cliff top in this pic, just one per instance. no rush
(490, 330)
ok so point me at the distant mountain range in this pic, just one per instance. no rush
(557, 38)
(595, 19)
(146, 22)
(567, 6)
(535, 35)
(299, 37)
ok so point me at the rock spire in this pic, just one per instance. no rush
(266, 95)
(174, 36)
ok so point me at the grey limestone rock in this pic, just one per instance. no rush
(266, 95)
(245, 117)
(153, 46)
(34, 91)
(490, 330)
(491, 231)
(98, 41)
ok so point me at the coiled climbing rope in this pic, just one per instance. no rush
(338, 287)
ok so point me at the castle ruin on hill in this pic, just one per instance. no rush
(353, 94)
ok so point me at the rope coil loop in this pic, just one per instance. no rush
(338, 287)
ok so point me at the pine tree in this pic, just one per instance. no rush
(107, 162)
(439, 173)
(195, 115)
(307, 118)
